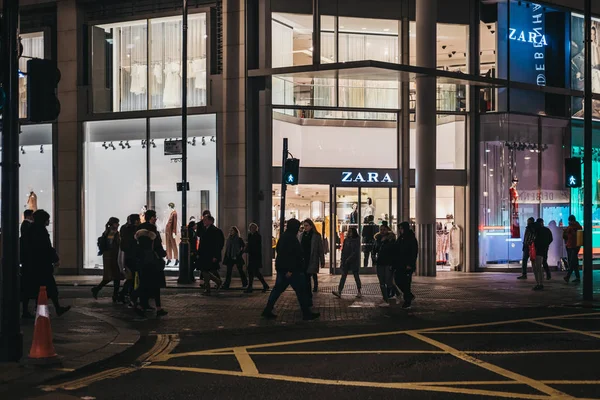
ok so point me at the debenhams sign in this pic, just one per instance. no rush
(365, 177)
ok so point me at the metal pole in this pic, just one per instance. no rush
(283, 186)
(184, 246)
(588, 271)
(11, 339)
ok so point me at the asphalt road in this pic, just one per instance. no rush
(521, 353)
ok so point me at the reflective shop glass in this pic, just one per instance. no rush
(116, 167)
(137, 65)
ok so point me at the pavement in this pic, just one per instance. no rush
(467, 336)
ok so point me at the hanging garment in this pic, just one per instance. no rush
(138, 79)
(32, 201)
(170, 231)
(369, 210)
(157, 79)
(172, 92)
(199, 73)
(455, 249)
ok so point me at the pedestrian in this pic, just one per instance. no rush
(290, 267)
(350, 262)
(145, 292)
(408, 250)
(43, 259)
(234, 251)
(543, 238)
(314, 254)
(570, 237)
(385, 250)
(255, 261)
(368, 235)
(28, 290)
(193, 240)
(128, 254)
(209, 254)
(527, 240)
(151, 272)
(108, 247)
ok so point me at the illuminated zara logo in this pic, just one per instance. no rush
(535, 37)
(368, 177)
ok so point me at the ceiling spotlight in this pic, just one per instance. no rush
(492, 31)
(444, 47)
(453, 52)
(112, 146)
(213, 139)
(122, 144)
(42, 149)
(489, 27)
(128, 145)
(203, 141)
(105, 145)
(153, 144)
(143, 144)
(22, 150)
(193, 141)
(449, 55)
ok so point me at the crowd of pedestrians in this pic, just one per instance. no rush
(536, 243)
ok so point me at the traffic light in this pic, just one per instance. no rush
(42, 80)
(291, 171)
(573, 172)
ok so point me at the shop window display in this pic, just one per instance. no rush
(116, 166)
(137, 65)
(33, 47)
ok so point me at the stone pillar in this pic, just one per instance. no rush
(426, 138)
(232, 165)
(66, 192)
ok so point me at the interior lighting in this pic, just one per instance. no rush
(153, 144)
(213, 139)
(143, 144)
(203, 141)
(105, 145)
(22, 150)
(42, 149)
(386, 30)
(128, 145)
(112, 146)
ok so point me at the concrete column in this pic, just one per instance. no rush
(232, 166)
(426, 137)
(67, 139)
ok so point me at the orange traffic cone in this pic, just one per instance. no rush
(42, 348)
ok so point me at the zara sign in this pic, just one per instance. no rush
(366, 177)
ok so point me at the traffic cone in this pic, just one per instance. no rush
(42, 348)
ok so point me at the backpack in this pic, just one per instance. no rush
(101, 245)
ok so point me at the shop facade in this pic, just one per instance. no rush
(340, 81)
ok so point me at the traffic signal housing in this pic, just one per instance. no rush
(291, 171)
(42, 81)
(573, 172)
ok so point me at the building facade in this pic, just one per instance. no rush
(456, 116)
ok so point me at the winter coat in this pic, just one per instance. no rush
(317, 253)
(234, 250)
(529, 236)
(570, 235)
(543, 238)
(386, 249)
(42, 257)
(110, 255)
(368, 232)
(351, 255)
(148, 264)
(290, 257)
(254, 250)
(408, 250)
(158, 246)
(211, 247)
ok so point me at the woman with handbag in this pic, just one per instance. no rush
(151, 273)
(108, 247)
(234, 249)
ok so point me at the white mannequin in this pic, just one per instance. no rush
(369, 209)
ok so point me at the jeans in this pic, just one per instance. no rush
(385, 275)
(241, 272)
(298, 283)
(368, 251)
(403, 279)
(524, 262)
(573, 260)
(538, 270)
(343, 280)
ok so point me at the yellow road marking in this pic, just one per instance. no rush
(380, 385)
(490, 367)
(246, 364)
(568, 330)
(557, 332)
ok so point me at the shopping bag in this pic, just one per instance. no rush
(136, 281)
(532, 253)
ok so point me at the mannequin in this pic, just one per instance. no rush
(32, 201)
(354, 214)
(170, 235)
(515, 230)
(369, 209)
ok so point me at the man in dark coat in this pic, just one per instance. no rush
(369, 231)
(408, 250)
(543, 238)
(210, 252)
(527, 240)
(43, 258)
(158, 279)
(128, 247)
(27, 289)
(289, 264)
